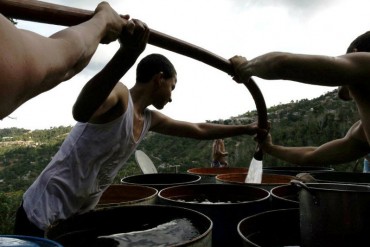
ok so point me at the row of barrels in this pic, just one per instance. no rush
(221, 209)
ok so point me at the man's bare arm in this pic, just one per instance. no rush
(31, 64)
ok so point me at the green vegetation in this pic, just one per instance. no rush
(25, 153)
(9, 202)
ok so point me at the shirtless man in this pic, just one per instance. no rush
(351, 72)
(219, 154)
(31, 64)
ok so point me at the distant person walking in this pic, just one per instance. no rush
(219, 154)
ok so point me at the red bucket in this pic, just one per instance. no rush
(208, 174)
(268, 182)
(120, 195)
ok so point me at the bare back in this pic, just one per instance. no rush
(361, 95)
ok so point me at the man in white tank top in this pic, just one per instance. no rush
(112, 121)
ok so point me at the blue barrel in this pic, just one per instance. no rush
(26, 241)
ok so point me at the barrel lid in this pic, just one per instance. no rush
(26, 241)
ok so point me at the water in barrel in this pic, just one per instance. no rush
(167, 234)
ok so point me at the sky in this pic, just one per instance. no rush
(223, 27)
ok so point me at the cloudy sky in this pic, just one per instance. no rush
(224, 27)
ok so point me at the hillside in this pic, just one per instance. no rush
(300, 123)
(24, 153)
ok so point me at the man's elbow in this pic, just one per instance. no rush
(79, 115)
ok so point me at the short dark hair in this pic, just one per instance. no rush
(152, 65)
(361, 43)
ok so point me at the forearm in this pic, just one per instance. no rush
(293, 155)
(310, 69)
(331, 153)
(86, 35)
(99, 87)
(79, 43)
(210, 131)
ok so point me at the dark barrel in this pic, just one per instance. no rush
(87, 229)
(294, 170)
(342, 177)
(271, 228)
(121, 194)
(284, 196)
(334, 214)
(225, 204)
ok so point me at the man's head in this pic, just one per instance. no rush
(157, 70)
(153, 64)
(360, 44)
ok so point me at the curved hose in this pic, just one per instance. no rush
(38, 11)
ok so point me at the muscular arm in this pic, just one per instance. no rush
(351, 68)
(96, 91)
(203, 131)
(31, 64)
(346, 149)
